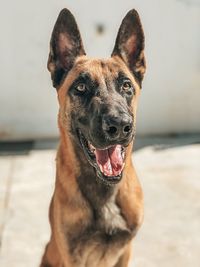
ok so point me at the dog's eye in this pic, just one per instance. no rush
(126, 86)
(81, 87)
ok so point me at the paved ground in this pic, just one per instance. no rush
(170, 176)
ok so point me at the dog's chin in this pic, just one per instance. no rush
(108, 162)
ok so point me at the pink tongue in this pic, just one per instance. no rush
(110, 160)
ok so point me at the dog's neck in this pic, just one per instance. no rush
(93, 189)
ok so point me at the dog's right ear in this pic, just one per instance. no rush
(65, 46)
(129, 44)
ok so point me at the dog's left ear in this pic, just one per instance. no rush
(65, 46)
(129, 44)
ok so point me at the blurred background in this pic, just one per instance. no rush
(169, 103)
(167, 150)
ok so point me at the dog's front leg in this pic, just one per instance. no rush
(124, 260)
(51, 257)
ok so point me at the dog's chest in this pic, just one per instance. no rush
(111, 221)
(102, 242)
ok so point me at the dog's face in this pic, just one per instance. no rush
(98, 97)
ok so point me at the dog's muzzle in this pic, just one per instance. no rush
(109, 159)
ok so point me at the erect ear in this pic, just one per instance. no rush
(65, 46)
(129, 44)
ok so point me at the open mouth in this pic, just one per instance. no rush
(108, 162)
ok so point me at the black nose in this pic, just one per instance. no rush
(117, 127)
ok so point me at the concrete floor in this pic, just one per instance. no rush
(170, 175)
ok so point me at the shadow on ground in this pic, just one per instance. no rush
(158, 142)
(165, 142)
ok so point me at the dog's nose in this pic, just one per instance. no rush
(117, 127)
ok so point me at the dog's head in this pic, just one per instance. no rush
(98, 97)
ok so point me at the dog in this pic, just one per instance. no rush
(97, 205)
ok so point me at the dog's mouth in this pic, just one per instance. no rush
(108, 162)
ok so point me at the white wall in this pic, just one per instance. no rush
(170, 99)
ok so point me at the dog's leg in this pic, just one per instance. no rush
(124, 260)
(51, 257)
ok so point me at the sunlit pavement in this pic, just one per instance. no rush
(170, 177)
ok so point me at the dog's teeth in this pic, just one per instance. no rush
(101, 168)
(92, 148)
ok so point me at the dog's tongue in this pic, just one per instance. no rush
(110, 160)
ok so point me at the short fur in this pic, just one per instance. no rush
(93, 223)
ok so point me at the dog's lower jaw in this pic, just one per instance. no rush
(107, 163)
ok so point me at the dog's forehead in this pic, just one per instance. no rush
(100, 69)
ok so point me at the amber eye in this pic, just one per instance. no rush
(126, 86)
(81, 87)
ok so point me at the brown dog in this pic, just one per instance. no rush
(97, 206)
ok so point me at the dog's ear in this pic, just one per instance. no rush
(129, 44)
(65, 46)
